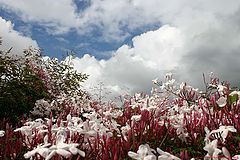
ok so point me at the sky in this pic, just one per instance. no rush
(127, 43)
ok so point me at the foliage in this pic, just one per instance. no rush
(28, 78)
(62, 81)
(20, 87)
(59, 77)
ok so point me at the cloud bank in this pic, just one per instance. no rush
(194, 37)
(117, 19)
(15, 39)
(134, 67)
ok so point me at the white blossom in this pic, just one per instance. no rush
(222, 101)
(136, 118)
(144, 153)
(165, 155)
(155, 81)
(2, 133)
(211, 148)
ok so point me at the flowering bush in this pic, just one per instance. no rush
(20, 87)
(26, 79)
(175, 122)
(62, 81)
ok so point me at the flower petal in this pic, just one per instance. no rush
(222, 101)
(81, 153)
(150, 157)
(43, 152)
(30, 154)
(63, 153)
(133, 155)
(73, 150)
(51, 155)
(226, 153)
(2, 133)
(142, 150)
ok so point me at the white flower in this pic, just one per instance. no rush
(182, 134)
(211, 148)
(169, 76)
(59, 151)
(69, 117)
(115, 125)
(221, 88)
(87, 130)
(64, 149)
(114, 113)
(125, 130)
(170, 82)
(223, 131)
(222, 101)
(25, 130)
(226, 153)
(143, 153)
(215, 154)
(60, 148)
(136, 118)
(117, 113)
(2, 133)
(165, 155)
(75, 150)
(41, 149)
(236, 157)
(182, 86)
(155, 81)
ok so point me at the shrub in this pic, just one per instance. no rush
(20, 87)
(31, 77)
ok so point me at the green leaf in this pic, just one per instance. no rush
(232, 99)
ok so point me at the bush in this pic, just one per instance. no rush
(28, 78)
(20, 87)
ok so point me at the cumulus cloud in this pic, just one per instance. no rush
(57, 16)
(12, 38)
(200, 38)
(131, 69)
(116, 20)
(194, 37)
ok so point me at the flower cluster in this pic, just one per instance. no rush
(176, 121)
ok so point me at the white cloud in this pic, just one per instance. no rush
(201, 39)
(12, 38)
(132, 68)
(58, 16)
(195, 37)
(117, 19)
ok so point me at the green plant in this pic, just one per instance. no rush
(28, 78)
(20, 87)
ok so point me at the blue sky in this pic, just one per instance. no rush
(127, 43)
(59, 45)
